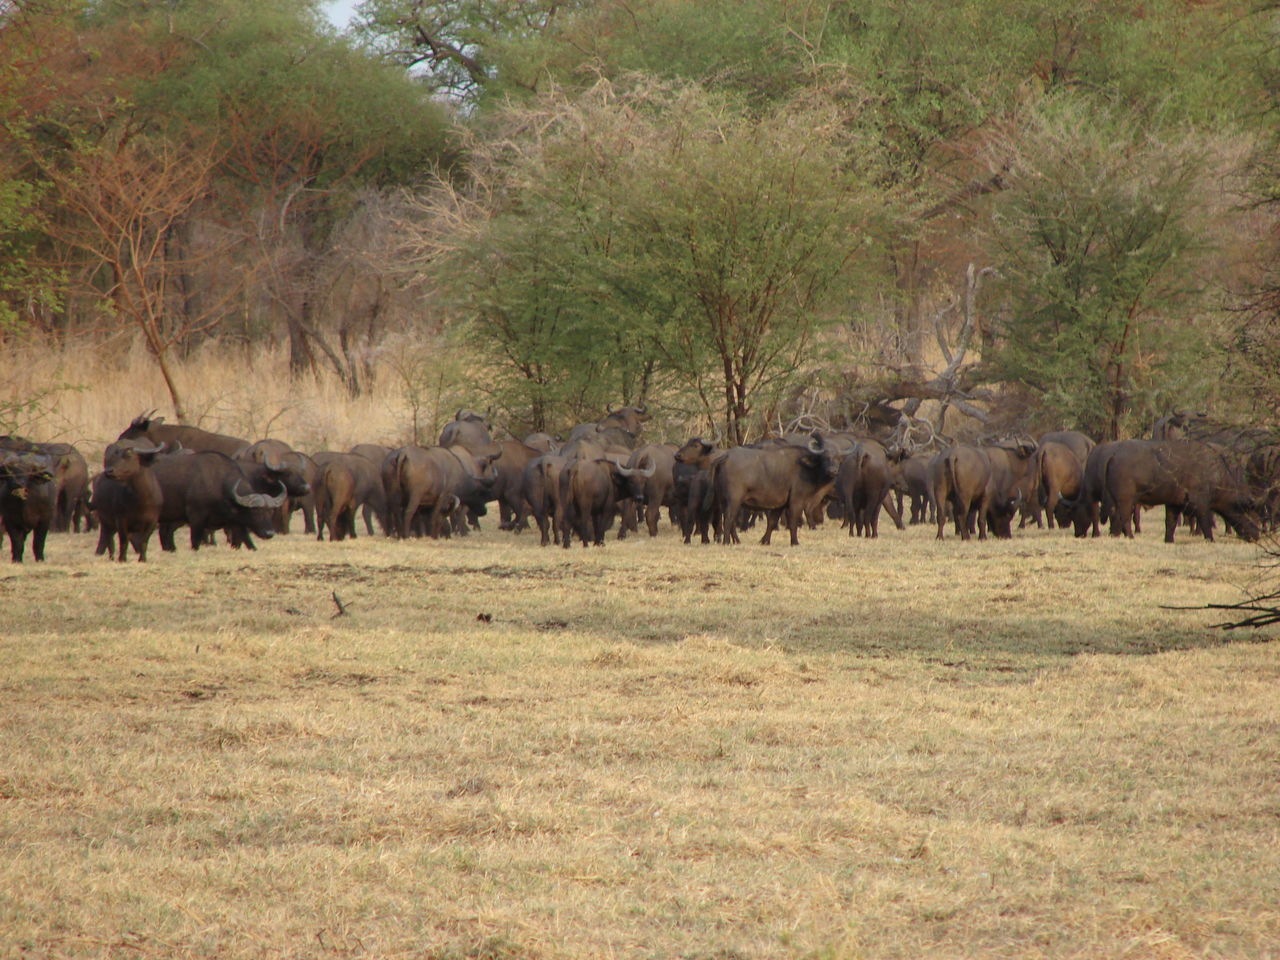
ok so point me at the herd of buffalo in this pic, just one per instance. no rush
(159, 476)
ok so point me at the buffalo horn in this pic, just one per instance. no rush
(256, 500)
(652, 469)
(147, 451)
(271, 463)
(816, 443)
(250, 500)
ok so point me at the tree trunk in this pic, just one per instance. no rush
(301, 357)
(162, 361)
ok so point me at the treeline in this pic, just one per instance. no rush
(741, 211)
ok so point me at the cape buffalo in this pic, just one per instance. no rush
(375, 453)
(1181, 475)
(620, 427)
(509, 484)
(1061, 474)
(436, 480)
(335, 493)
(146, 426)
(279, 456)
(959, 477)
(211, 491)
(469, 430)
(787, 478)
(542, 493)
(70, 480)
(366, 491)
(27, 500)
(1077, 442)
(127, 498)
(1086, 508)
(862, 484)
(590, 490)
(543, 442)
(659, 486)
(912, 479)
(1011, 483)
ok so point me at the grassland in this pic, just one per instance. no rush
(889, 749)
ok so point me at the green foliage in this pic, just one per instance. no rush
(461, 49)
(1096, 241)
(658, 233)
(288, 98)
(22, 276)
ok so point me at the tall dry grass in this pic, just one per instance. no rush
(90, 392)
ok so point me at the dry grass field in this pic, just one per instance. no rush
(895, 748)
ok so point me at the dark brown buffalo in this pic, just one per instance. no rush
(279, 456)
(335, 495)
(435, 480)
(782, 481)
(70, 480)
(367, 491)
(469, 430)
(542, 493)
(1061, 474)
(590, 491)
(620, 427)
(659, 487)
(127, 498)
(912, 480)
(862, 487)
(210, 491)
(1086, 509)
(175, 437)
(1077, 442)
(1012, 482)
(694, 492)
(375, 453)
(959, 478)
(1183, 476)
(1178, 425)
(509, 485)
(28, 499)
(543, 442)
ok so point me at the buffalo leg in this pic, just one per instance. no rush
(795, 516)
(894, 510)
(771, 524)
(1171, 515)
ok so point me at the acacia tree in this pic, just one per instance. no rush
(119, 202)
(307, 123)
(654, 230)
(1098, 241)
(738, 236)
